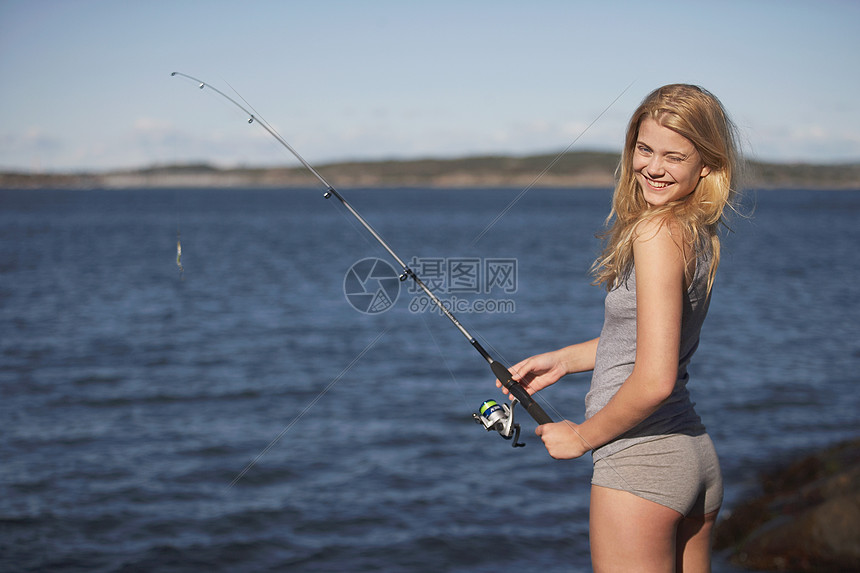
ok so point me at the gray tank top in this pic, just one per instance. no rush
(616, 353)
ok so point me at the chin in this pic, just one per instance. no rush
(654, 201)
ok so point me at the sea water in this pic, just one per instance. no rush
(243, 414)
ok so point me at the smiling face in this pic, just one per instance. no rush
(667, 165)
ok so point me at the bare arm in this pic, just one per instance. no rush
(580, 357)
(660, 268)
(542, 370)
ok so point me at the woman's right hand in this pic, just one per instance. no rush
(538, 372)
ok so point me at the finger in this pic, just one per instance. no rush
(518, 369)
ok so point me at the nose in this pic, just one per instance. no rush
(655, 166)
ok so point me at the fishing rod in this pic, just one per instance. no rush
(492, 415)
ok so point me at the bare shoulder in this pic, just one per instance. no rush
(658, 230)
(660, 252)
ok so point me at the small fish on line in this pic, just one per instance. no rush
(179, 257)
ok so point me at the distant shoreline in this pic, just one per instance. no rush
(581, 169)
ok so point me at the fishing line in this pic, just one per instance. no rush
(261, 119)
(546, 169)
(307, 408)
(445, 362)
(499, 370)
(351, 222)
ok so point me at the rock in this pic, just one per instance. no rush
(807, 518)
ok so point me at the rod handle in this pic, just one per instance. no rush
(517, 391)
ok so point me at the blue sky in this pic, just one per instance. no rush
(86, 83)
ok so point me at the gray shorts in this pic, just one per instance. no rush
(677, 471)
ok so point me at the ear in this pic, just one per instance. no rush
(705, 171)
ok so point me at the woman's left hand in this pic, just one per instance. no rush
(562, 440)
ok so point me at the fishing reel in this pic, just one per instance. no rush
(499, 417)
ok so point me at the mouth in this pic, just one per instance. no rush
(657, 184)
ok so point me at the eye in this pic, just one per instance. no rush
(676, 158)
(643, 149)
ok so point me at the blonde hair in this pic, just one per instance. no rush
(698, 115)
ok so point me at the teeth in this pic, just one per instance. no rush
(657, 184)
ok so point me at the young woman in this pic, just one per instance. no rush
(656, 487)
